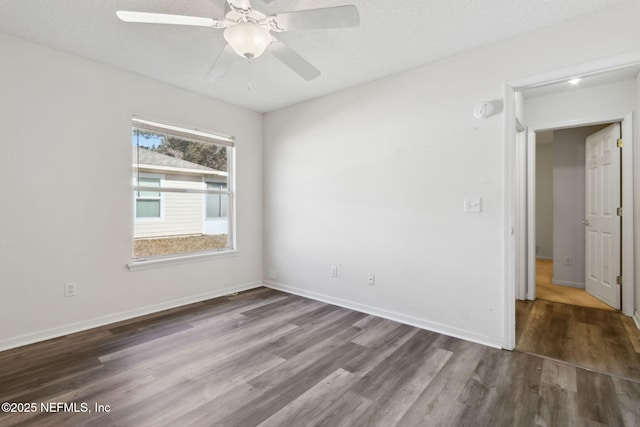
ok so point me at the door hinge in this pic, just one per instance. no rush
(619, 211)
(619, 143)
(619, 280)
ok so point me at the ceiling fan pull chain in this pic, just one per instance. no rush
(249, 88)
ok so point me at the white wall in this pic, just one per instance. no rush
(544, 200)
(580, 105)
(406, 150)
(569, 205)
(66, 194)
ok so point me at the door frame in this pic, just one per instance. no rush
(530, 220)
(515, 228)
(521, 214)
(627, 253)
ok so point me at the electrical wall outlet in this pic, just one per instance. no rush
(334, 271)
(567, 261)
(371, 279)
(70, 289)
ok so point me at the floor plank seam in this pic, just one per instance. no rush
(575, 365)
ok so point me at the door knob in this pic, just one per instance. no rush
(586, 222)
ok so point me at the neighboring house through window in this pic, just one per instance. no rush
(183, 190)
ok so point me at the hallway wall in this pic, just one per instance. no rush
(544, 196)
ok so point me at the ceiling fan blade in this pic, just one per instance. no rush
(161, 18)
(222, 64)
(330, 17)
(240, 5)
(294, 61)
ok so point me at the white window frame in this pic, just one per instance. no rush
(135, 197)
(197, 136)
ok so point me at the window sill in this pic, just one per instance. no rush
(146, 264)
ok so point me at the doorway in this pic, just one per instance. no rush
(575, 334)
(562, 116)
(570, 257)
(613, 272)
(575, 182)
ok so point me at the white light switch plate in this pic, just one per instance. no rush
(473, 205)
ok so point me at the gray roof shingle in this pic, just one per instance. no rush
(151, 158)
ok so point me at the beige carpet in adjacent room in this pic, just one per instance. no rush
(549, 292)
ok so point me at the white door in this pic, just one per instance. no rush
(602, 232)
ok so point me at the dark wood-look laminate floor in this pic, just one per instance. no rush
(602, 340)
(271, 359)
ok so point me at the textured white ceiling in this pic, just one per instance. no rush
(393, 36)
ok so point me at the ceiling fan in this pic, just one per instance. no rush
(249, 32)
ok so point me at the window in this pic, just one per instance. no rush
(183, 191)
(217, 204)
(148, 203)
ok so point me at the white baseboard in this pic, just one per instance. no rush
(117, 317)
(548, 258)
(391, 315)
(566, 283)
(636, 318)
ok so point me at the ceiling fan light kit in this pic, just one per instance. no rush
(248, 31)
(247, 39)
